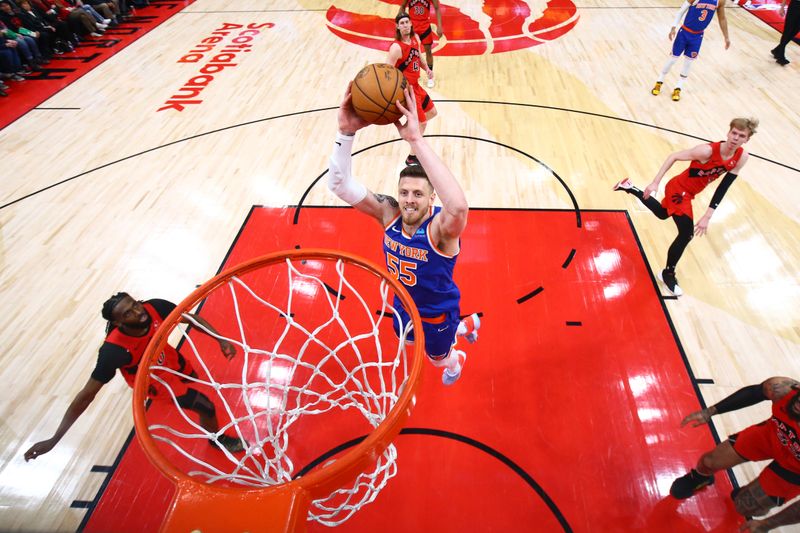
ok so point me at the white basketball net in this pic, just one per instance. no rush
(359, 373)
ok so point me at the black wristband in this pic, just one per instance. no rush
(741, 398)
(722, 188)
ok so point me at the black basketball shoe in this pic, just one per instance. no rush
(671, 282)
(686, 486)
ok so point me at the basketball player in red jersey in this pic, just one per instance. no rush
(420, 13)
(708, 162)
(404, 53)
(776, 439)
(131, 325)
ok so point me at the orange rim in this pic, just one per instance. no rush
(322, 481)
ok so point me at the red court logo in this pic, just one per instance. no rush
(499, 26)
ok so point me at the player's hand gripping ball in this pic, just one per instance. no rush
(375, 90)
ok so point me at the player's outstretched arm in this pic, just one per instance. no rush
(403, 7)
(722, 19)
(453, 219)
(772, 389)
(701, 152)
(340, 179)
(76, 408)
(228, 349)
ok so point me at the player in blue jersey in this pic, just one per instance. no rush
(698, 15)
(421, 242)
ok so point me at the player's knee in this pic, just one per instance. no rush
(438, 360)
(711, 461)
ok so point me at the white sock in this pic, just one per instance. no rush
(668, 65)
(452, 363)
(687, 65)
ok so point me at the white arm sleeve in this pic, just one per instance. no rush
(340, 181)
(679, 17)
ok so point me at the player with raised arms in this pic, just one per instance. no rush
(421, 242)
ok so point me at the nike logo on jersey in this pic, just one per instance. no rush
(442, 329)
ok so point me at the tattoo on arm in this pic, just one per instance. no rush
(385, 198)
(777, 389)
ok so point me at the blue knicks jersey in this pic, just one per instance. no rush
(699, 16)
(425, 272)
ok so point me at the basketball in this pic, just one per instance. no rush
(375, 90)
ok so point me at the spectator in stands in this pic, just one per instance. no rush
(26, 47)
(80, 21)
(57, 36)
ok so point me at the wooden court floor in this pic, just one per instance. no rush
(149, 201)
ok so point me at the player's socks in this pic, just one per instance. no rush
(668, 65)
(686, 486)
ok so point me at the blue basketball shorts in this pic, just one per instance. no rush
(440, 331)
(687, 44)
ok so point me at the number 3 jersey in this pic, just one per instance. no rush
(425, 271)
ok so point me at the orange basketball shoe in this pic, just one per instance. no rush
(468, 328)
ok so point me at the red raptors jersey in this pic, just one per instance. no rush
(787, 434)
(410, 60)
(168, 358)
(419, 11)
(697, 177)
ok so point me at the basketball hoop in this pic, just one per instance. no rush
(317, 368)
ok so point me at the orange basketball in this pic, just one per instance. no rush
(375, 90)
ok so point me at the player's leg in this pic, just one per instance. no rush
(678, 47)
(693, 43)
(687, 65)
(720, 458)
(685, 225)
(791, 25)
(440, 339)
(199, 403)
(752, 500)
(650, 203)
